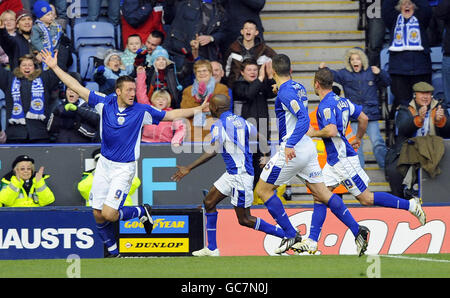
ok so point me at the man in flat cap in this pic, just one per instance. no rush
(24, 187)
(423, 116)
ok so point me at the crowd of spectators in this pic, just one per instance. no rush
(181, 52)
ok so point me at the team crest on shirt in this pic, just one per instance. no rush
(121, 120)
(327, 113)
(294, 105)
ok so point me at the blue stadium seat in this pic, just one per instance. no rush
(436, 58)
(74, 66)
(93, 34)
(93, 86)
(86, 57)
(438, 85)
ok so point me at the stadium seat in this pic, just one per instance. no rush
(74, 66)
(93, 86)
(86, 57)
(436, 58)
(93, 34)
(438, 85)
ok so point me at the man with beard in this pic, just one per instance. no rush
(19, 45)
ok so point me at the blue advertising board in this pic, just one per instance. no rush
(48, 233)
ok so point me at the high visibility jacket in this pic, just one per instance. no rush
(13, 194)
(322, 153)
(85, 185)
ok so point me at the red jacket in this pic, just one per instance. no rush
(154, 22)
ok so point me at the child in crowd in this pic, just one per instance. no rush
(107, 74)
(46, 33)
(134, 43)
(162, 74)
(360, 83)
(165, 131)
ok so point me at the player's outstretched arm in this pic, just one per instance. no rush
(184, 170)
(67, 79)
(186, 113)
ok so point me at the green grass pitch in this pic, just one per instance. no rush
(326, 266)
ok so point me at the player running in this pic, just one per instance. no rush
(343, 166)
(297, 155)
(121, 121)
(231, 136)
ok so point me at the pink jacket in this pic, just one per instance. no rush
(166, 131)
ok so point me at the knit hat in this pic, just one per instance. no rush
(423, 87)
(23, 13)
(41, 8)
(159, 52)
(109, 54)
(21, 158)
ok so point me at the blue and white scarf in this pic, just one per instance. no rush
(406, 36)
(49, 41)
(36, 110)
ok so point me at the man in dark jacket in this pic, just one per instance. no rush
(203, 20)
(443, 12)
(252, 94)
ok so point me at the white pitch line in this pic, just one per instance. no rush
(415, 259)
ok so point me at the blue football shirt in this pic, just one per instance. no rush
(291, 112)
(234, 133)
(120, 129)
(337, 110)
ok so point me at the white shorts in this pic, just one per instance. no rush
(305, 165)
(239, 187)
(347, 172)
(111, 183)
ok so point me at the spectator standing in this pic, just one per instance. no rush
(238, 11)
(409, 51)
(45, 33)
(113, 13)
(74, 121)
(253, 92)
(24, 187)
(201, 90)
(162, 73)
(27, 90)
(204, 19)
(442, 12)
(248, 45)
(8, 20)
(155, 39)
(141, 17)
(361, 83)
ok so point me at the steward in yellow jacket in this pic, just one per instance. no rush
(23, 187)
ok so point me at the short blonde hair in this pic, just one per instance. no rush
(161, 93)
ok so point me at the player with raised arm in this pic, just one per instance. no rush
(343, 166)
(231, 136)
(121, 121)
(297, 155)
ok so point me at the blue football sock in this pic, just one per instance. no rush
(211, 225)
(267, 228)
(317, 220)
(130, 212)
(338, 208)
(107, 234)
(276, 209)
(388, 200)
